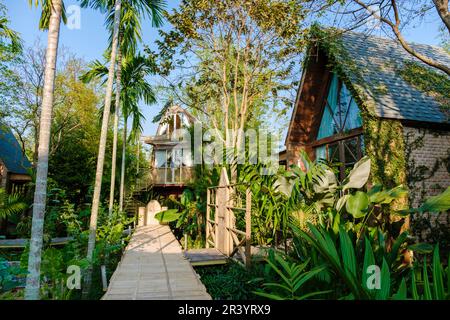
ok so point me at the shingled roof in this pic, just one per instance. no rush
(377, 61)
(11, 153)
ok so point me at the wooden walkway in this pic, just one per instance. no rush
(153, 267)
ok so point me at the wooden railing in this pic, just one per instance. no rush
(221, 231)
(165, 176)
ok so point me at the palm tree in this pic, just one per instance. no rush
(154, 9)
(130, 35)
(103, 136)
(52, 12)
(132, 13)
(7, 33)
(136, 89)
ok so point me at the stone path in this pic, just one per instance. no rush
(153, 268)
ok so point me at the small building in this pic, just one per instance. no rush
(171, 167)
(364, 95)
(14, 164)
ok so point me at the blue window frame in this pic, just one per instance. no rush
(340, 115)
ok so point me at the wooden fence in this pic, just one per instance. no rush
(221, 231)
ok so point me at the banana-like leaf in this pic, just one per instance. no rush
(421, 248)
(167, 216)
(359, 175)
(386, 196)
(439, 203)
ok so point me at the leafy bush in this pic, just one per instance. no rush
(231, 281)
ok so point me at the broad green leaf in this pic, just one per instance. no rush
(386, 196)
(402, 292)
(421, 248)
(426, 282)
(383, 294)
(357, 204)
(359, 175)
(439, 203)
(438, 281)
(167, 216)
(348, 252)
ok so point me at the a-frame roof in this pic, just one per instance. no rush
(11, 153)
(372, 65)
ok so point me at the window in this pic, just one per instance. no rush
(339, 139)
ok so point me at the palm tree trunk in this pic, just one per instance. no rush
(101, 152)
(122, 173)
(138, 153)
(40, 194)
(116, 129)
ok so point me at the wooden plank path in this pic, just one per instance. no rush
(153, 267)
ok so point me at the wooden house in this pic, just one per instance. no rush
(171, 167)
(364, 95)
(14, 164)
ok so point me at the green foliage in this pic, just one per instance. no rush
(231, 281)
(293, 278)
(167, 216)
(433, 83)
(11, 204)
(357, 204)
(439, 203)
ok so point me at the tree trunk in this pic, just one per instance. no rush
(122, 172)
(116, 129)
(101, 152)
(40, 194)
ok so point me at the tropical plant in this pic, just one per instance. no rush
(129, 36)
(293, 278)
(7, 33)
(103, 137)
(10, 204)
(435, 286)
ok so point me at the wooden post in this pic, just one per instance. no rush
(104, 279)
(208, 215)
(221, 216)
(248, 227)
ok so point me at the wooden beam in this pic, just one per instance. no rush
(248, 227)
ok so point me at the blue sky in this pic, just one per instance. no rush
(90, 41)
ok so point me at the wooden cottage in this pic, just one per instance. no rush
(363, 95)
(14, 165)
(171, 167)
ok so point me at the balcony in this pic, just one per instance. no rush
(166, 177)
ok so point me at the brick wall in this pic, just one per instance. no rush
(427, 158)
